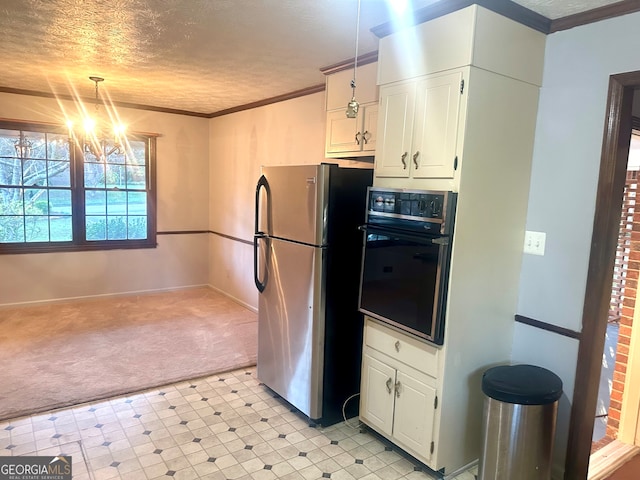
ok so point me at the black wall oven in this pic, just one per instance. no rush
(406, 256)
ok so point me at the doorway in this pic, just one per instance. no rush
(613, 166)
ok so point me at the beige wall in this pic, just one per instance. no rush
(178, 261)
(207, 170)
(285, 133)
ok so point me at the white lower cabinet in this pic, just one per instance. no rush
(398, 400)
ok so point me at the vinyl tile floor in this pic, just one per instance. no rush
(226, 426)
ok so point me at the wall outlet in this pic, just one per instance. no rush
(534, 242)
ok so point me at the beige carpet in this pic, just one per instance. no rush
(67, 353)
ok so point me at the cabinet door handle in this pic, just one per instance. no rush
(358, 135)
(397, 345)
(415, 159)
(389, 384)
(365, 137)
(402, 159)
(398, 387)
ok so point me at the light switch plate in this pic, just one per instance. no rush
(534, 242)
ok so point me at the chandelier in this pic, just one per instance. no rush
(97, 139)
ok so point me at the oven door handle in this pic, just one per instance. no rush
(423, 238)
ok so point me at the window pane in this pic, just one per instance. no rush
(59, 174)
(40, 194)
(136, 153)
(116, 203)
(88, 156)
(116, 158)
(10, 171)
(94, 175)
(60, 202)
(95, 202)
(58, 147)
(11, 201)
(136, 177)
(137, 227)
(96, 228)
(11, 229)
(35, 172)
(8, 140)
(38, 144)
(36, 201)
(137, 203)
(61, 228)
(37, 228)
(117, 228)
(115, 176)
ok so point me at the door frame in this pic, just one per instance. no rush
(604, 239)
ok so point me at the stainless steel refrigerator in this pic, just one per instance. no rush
(307, 254)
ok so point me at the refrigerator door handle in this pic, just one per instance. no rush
(260, 285)
(262, 182)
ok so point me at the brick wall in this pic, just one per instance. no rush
(624, 294)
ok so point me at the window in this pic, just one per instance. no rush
(54, 197)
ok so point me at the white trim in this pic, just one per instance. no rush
(609, 458)
(102, 295)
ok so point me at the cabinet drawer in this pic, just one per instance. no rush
(404, 348)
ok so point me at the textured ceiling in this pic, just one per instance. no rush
(195, 55)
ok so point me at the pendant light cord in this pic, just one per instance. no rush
(355, 59)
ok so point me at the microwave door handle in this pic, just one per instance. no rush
(438, 240)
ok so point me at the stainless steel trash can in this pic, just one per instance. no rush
(519, 421)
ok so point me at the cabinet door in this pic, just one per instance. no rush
(395, 124)
(436, 126)
(414, 414)
(377, 394)
(341, 132)
(369, 128)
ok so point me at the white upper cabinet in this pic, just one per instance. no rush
(419, 126)
(352, 137)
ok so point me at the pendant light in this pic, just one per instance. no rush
(353, 105)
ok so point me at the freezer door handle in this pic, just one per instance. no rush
(262, 182)
(260, 285)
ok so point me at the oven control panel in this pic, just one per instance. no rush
(415, 204)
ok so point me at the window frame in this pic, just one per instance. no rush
(78, 189)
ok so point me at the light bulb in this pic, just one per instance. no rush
(89, 124)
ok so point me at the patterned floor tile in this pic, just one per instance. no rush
(223, 427)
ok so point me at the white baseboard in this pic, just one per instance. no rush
(237, 300)
(102, 295)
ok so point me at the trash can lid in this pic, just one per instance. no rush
(522, 384)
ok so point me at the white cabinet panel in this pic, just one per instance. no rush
(414, 413)
(395, 120)
(436, 126)
(376, 406)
